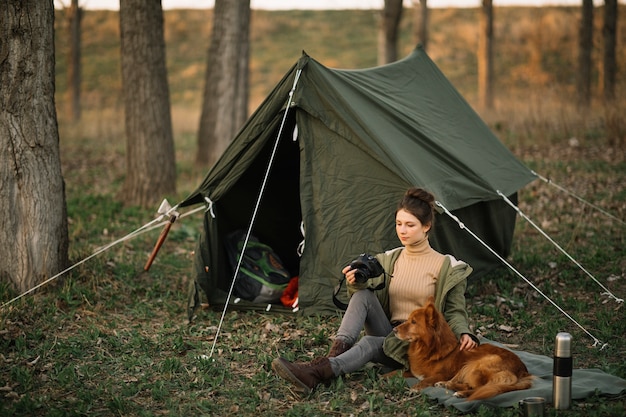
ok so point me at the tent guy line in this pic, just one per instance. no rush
(154, 224)
(255, 212)
(544, 234)
(596, 341)
(579, 198)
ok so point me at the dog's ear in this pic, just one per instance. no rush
(431, 315)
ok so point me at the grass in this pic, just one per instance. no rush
(111, 339)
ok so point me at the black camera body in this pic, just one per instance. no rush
(367, 266)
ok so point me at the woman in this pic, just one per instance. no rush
(414, 272)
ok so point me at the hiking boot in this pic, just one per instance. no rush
(338, 347)
(304, 376)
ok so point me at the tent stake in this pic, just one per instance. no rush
(164, 210)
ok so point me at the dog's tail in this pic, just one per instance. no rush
(493, 389)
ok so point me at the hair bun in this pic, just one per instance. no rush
(420, 194)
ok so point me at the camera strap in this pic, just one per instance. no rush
(343, 306)
(340, 305)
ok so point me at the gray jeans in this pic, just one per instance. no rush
(364, 311)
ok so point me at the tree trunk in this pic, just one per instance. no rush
(73, 62)
(609, 32)
(585, 46)
(420, 22)
(150, 157)
(243, 62)
(485, 55)
(33, 233)
(388, 31)
(225, 100)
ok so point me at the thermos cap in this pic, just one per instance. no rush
(563, 346)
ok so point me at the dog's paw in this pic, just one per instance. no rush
(459, 394)
(441, 384)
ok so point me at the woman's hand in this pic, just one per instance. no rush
(467, 343)
(349, 273)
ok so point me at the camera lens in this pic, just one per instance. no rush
(359, 276)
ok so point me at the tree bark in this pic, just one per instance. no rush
(73, 63)
(585, 46)
(388, 31)
(609, 32)
(225, 100)
(33, 232)
(485, 55)
(150, 157)
(420, 22)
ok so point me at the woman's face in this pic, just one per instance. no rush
(409, 229)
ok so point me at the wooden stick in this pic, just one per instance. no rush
(159, 243)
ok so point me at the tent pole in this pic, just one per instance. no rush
(256, 209)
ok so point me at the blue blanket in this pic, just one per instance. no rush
(585, 382)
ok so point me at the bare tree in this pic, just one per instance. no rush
(420, 22)
(388, 31)
(225, 100)
(585, 47)
(34, 234)
(609, 31)
(150, 157)
(74, 14)
(485, 55)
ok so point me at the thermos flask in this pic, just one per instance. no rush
(562, 372)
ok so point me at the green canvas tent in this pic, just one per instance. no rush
(342, 146)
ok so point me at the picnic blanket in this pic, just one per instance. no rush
(585, 382)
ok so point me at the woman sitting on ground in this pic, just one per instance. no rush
(415, 271)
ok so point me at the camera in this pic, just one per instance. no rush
(367, 266)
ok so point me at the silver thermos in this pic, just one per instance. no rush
(562, 372)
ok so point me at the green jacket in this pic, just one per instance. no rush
(449, 298)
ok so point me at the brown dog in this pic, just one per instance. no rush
(435, 358)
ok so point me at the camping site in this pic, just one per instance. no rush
(110, 338)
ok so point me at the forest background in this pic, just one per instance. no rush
(535, 49)
(109, 339)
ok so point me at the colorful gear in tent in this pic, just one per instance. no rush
(290, 294)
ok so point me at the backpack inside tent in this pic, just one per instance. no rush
(333, 151)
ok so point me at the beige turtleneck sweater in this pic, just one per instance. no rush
(414, 276)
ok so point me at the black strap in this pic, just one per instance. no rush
(339, 304)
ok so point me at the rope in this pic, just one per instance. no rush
(579, 198)
(300, 248)
(256, 209)
(145, 228)
(209, 206)
(525, 217)
(463, 227)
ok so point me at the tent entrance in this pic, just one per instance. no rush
(278, 219)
